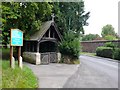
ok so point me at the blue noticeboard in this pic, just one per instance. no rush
(16, 37)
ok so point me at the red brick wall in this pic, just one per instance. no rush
(90, 46)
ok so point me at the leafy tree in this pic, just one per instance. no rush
(71, 16)
(108, 30)
(27, 16)
(90, 37)
(110, 37)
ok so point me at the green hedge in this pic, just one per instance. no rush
(106, 52)
(116, 54)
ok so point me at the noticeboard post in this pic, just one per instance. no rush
(16, 39)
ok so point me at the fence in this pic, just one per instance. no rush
(90, 46)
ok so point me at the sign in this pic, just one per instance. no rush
(16, 37)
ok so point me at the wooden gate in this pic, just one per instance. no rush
(44, 58)
(47, 58)
(53, 57)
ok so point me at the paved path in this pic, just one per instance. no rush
(94, 73)
(53, 75)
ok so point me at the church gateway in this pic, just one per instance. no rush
(42, 47)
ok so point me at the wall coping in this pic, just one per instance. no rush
(94, 41)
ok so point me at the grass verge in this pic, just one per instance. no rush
(89, 54)
(17, 78)
(76, 61)
(0, 74)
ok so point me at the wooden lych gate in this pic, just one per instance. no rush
(45, 42)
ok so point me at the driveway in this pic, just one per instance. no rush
(53, 75)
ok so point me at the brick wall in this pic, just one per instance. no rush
(90, 46)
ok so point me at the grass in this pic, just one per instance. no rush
(76, 61)
(89, 54)
(17, 78)
(0, 74)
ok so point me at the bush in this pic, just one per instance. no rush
(70, 47)
(110, 44)
(106, 52)
(116, 54)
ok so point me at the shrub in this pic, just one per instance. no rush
(110, 44)
(106, 52)
(70, 47)
(116, 54)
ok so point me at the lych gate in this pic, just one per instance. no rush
(42, 48)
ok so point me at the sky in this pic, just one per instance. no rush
(102, 12)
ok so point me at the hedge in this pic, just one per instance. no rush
(116, 54)
(106, 52)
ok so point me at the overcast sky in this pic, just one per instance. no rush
(102, 12)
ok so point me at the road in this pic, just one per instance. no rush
(94, 73)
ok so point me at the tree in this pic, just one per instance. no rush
(70, 19)
(110, 37)
(71, 16)
(27, 16)
(90, 37)
(108, 30)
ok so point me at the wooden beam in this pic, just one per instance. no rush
(49, 33)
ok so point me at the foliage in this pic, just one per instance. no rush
(116, 54)
(70, 46)
(108, 30)
(104, 52)
(17, 78)
(109, 50)
(6, 53)
(110, 37)
(110, 44)
(90, 37)
(27, 16)
(70, 16)
(0, 74)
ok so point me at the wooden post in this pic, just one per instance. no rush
(11, 55)
(38, 47)
(19, 54)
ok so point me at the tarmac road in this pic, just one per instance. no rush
(94, 72)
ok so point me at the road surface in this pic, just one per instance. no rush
(94, 73)
(53, 75)
(91, 73)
